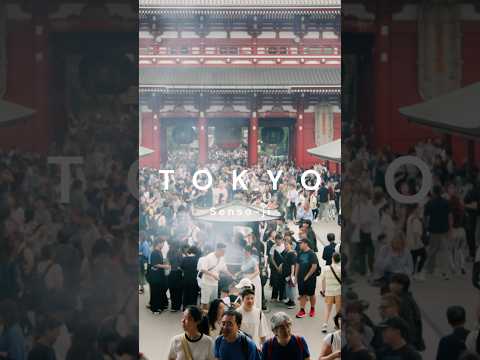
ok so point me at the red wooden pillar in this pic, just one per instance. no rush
(156, 143)
(291, 143)
(163, 143)
(253, 140)
(41, 124)
(299, 140)
(202, 127)
(382, 61)
(147, 137)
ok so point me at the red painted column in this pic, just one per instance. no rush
(41, 123)
(382, 61)
(202, 127)
(163, 143)
(147, 137)
(156, 143)
(253, 140)
(299, 140)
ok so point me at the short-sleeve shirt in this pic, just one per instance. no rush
(290, 259)
(254, 323)
(233, 351)
(305, 261)
(213, 265)
(291, 351)
(201, 349)
(438, 210)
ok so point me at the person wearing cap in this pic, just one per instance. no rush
(254, 322)
(284, 345)
(306, 267)
(395, 335)
(210, 267)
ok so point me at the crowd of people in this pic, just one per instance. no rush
(225, 305)
(65, 265)
(393, 245)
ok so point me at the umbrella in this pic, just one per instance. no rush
(143, 151)
(455, 112)
(10, 112)
(331, 151)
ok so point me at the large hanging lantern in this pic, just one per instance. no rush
(183, 135)
(228, 137)
(106, 73)
(273, 135)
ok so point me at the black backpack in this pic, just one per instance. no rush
(244, 344)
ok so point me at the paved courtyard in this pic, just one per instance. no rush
(156, 330)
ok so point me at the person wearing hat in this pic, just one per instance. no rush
(395, 335)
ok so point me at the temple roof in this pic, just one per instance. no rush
(455, 112)
(331, 151)
(240, 4)
(11, 112)
(239, 78)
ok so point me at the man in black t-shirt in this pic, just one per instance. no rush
(439, 219)
(394, 333)
(307, 264)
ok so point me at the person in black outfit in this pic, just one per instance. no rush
(290, 257)
(47, 333)
(395, 333)
(190, 285)
(452, 346)
(175, 278)
(312, 238)
(157, 279)
(409, 310)
(276, 267)
(262, 265)
(329, 249)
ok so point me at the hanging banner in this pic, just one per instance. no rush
(3, 48)
(439, 48)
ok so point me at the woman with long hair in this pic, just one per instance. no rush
(215, 313)
(194, 343)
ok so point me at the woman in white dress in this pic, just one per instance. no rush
(250, 270)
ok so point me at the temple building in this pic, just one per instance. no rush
(261, 74)
(400, 53)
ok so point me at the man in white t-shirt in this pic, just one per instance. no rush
(210, 266)
(253, 320)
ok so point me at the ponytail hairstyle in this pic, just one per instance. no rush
(201, 320)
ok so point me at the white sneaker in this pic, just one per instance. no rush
(324, 327)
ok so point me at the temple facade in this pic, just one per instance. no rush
(224, 74)
(403, 52)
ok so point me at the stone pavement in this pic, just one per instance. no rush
(157, 330)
